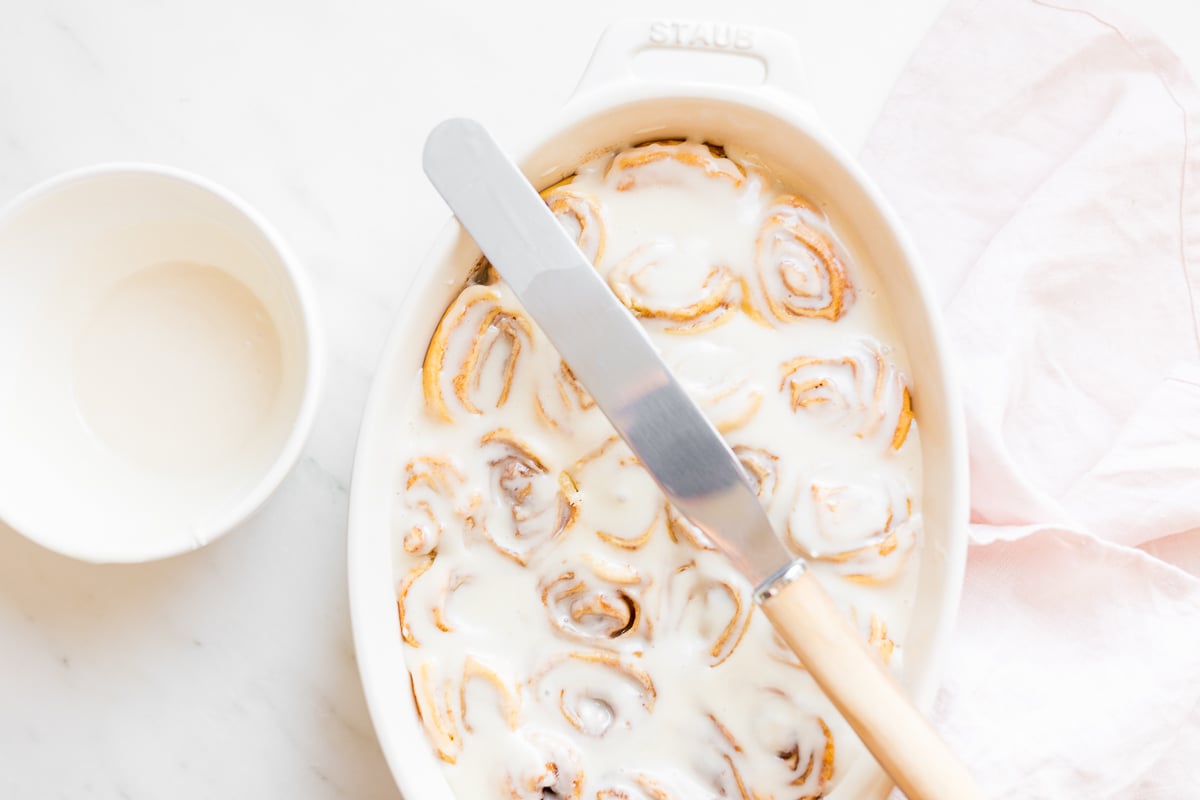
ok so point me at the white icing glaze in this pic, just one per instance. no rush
(566, 631)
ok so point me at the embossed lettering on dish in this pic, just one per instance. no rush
(712, 35)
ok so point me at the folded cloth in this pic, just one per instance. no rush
(1046, 157)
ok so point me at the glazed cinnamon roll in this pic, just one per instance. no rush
(718, 380)
(529, 504)
(549, 766)
(645, 786)
(435, 695)
(801, 273)
(793, 747)
(714, 612)
(660, 282)
(593, 609)
(402, 601)
(472, 361)
(596, 691)
(580, 215)
(801, 742)
(561, 399)
(432, 489)
(862, 527)
(506, 697)
(860, 388)
(641, 166)
(619, 500)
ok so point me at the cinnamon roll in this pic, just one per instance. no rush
(548, 766)
(859, 388)
(472, 360)
(861, 527)
(801, 743)
(660, 282)
(529, 504)
(580, 215)
(640, 166)
(402, 607)
(718, 380)
(432, 487)
(507, 697)
(561, 399)
(786, 747)
(713, 611)
(619, 500)
(434, 696)
(801, 273)
(589, 609)
(596, 691)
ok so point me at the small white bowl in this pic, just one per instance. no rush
(159, 360)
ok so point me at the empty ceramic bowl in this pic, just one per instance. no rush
(159, 362)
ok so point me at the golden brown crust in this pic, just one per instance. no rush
(626, 167)
(800, 273)
(540, 502)
(581, 215)
(479, 314)
(434, 697)
(402, 598)
(509, 696)
(717, 296)
(589, 706)
(559, 774)
(590, 612)
(431, 488)
(861, 387)
(877, 554)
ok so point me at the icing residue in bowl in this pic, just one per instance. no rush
(568, 634)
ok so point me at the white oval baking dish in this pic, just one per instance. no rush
(611, 107)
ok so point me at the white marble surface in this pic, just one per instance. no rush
(229, 672)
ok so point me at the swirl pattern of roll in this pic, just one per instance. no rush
(594, 607)
(642, 166)
(860, 526)
(548, 766)
(432, 489)
(658, 282)
(472, 360)
(801, 273)
(860, 388)
(580, 215)
(528, 504)
(596, 691)
(619, 501)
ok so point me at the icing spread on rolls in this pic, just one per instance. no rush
(567, 632)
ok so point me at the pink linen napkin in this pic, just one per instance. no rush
(1045, 157)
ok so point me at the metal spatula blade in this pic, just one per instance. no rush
(606, 348)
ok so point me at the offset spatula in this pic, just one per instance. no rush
(612, 356)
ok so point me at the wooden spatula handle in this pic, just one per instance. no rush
(856, 681)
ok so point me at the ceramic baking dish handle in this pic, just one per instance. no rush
(613, 61)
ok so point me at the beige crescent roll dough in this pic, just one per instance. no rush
(568, 633)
